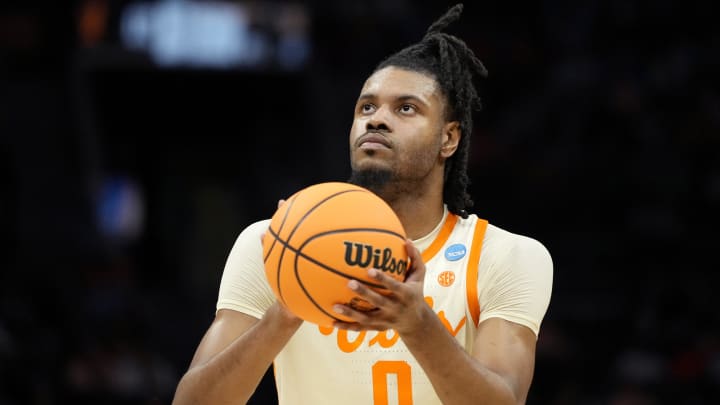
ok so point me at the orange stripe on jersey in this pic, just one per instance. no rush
(442, 237)
(472, 270)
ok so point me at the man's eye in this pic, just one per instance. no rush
(366, 108)
(407, 108)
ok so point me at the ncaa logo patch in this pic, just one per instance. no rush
(455, 252)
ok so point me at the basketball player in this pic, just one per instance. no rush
(461, 329)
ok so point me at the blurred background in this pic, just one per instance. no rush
(138, 138)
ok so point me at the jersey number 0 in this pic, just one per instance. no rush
(380, 371)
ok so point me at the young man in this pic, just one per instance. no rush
(461, 329)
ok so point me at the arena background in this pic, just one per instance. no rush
(138, 138)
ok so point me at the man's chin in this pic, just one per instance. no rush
(372, 178)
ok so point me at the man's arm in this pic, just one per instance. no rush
(498, 371)
(233, 356)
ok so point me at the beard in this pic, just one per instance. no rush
(372, 179)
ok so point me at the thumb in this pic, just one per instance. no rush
(416, 270)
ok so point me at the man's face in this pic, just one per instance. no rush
(398, 125)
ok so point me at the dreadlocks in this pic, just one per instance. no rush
(454, 66)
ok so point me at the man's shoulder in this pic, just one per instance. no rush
(260, 225)
(251, 234)
(257, 228)
(502, 241)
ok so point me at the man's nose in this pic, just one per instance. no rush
(379, 121)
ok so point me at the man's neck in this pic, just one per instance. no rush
(419, 205)
(419, 211)
(418, 219)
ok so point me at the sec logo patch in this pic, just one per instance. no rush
(446, 278)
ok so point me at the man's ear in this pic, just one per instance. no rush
(450, 139)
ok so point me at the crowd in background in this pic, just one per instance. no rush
(125, 183)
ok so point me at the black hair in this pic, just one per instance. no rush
(454, 66)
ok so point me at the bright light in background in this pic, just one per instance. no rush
(217, 34)
(121, 209)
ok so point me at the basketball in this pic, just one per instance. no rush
(324, 236)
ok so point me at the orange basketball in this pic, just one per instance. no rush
(325, 235)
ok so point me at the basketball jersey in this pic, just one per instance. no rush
(320, 365)
(469, 264)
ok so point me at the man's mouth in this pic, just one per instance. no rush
(373, 141)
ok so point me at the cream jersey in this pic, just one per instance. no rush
(474, 271)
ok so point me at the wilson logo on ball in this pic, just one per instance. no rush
(362, 255)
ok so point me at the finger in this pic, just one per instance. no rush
(281, 202)
(348, 312)
(352, 326)
(413, 253)
(359, 320)
(368, 294)
(416, 270)
(390, 283)
(359, 327)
